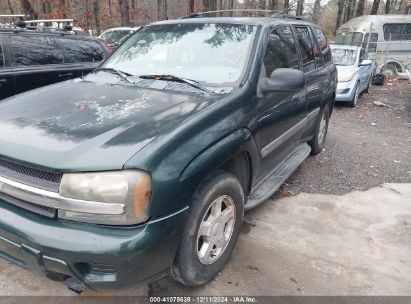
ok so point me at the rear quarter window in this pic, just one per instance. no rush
(323, 43)
(83, 50)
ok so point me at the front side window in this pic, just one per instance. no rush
(344, 56)
(34, 50)
(372, 44)
(206, 52)
(281, 50)
(349, 38)
(407, 32)
(306, 48)
(82, 50)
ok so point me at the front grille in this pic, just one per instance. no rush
(42, 210)
(45, 180)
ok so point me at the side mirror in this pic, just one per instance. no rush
(366, 62)
(283, 80)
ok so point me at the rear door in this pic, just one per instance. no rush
(35, 61)
(314, 71)
(6, 73)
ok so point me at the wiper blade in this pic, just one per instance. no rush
(119, 73)
(193, 83)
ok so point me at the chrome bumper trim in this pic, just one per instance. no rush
(54, 200)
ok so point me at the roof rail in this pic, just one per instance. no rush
(272, 13)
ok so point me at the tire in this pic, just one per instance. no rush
(194, 267)
(317, 143)
(354, 101)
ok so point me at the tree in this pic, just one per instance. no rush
(191, 6)
(300, 7)
(273, 4)
(10, 7)
(124, 12)
(387, 6)
(339, 13)
(210, 5)
(96, 13)
(286, 7)
(360, 8)
(28, 9)
(375, 5)
(316, 10)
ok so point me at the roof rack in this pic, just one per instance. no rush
(272, 13)
(18, 23)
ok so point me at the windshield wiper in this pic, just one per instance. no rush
(193, 83)
(119, 73)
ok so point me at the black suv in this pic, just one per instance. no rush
(31, 59)
(148, 163)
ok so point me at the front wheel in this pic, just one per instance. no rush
(354, 101)
(320, 134)
(211, 231)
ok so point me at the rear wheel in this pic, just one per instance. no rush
(390, 69)
(211, 231)
(321, 130)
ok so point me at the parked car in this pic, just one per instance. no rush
(386, 39)
(147, 164)
(355, 72)
(116, 36)
(31, 59)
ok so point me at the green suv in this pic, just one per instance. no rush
(147, 164)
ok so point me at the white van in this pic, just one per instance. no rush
(387, 38)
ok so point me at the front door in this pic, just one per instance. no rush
(279, 113)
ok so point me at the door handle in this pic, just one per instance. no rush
(66, 75)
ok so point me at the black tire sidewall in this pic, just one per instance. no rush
(188, 269)
(317, 147)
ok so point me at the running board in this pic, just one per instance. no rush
(280, 174)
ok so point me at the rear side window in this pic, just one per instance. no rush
(83, 50)
(396, 31)
(35, 50)
(321, 38)
(281, 50)
(306, 48)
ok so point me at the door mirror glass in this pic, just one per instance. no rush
(366, 62)
(283, 80)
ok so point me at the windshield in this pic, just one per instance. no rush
(113, 37)
(344, 56)
(353, 38)
(216, 54)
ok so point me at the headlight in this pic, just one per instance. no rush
(131, 189)
(346, 76)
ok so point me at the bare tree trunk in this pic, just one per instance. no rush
(354, 3)
(286, 6)
(191, 6)
(339, 13)
(124, 12)
(360, 8)
(375, 5)
(96, 13)
(300, 7)
(273, 4)
(348, 11)
(28, 9)
(159, 9)
(316, 10)
(165, 10)
(231, 2)
(10, 7)
(63, 8)
(210, 5)
(387, 6)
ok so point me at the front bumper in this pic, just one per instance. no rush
(346, 90)
(101, 257)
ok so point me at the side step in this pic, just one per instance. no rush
(280, 174)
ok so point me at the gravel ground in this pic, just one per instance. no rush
(366, 146)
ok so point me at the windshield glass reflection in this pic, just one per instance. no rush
(209, 53)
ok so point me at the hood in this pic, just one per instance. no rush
(95, 123)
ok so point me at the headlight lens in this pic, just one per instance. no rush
(346, 76)
(130, 188)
